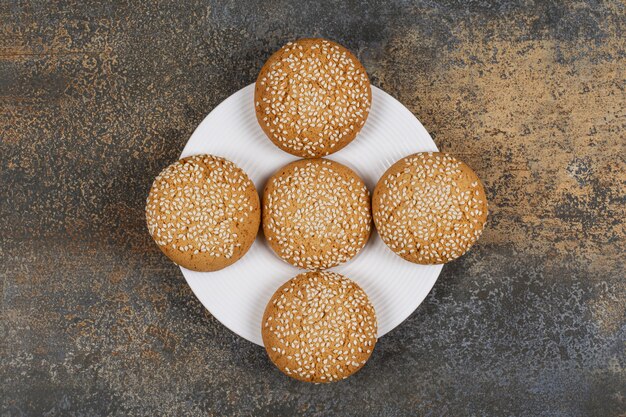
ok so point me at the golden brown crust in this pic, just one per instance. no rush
(312, 97)
(319, 327)
(429, 208)
(316, 213)
(203, 212)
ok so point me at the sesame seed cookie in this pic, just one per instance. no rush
(203, 212)
(319, 327)
(316, 213)
(429, 208)
(312, 97)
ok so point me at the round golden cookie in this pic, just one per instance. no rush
(316, 213)
(312, 97)
(429, 208)
(319, 327)
(204, 212)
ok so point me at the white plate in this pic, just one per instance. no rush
(237, 295)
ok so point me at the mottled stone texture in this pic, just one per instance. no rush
(96, 98)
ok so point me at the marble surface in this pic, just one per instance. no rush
(96, 98)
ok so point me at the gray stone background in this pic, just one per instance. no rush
(97, 97)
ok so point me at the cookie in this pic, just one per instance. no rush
(312, 97)
(316, 213)
(319, 327)
(429, 208)
(203, 212)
